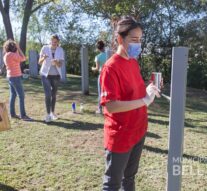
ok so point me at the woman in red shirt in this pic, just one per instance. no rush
(125, 97)
(13, 56)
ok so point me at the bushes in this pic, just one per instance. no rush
(152, 63)
(73, 57)
(197, 74)
(197, 70)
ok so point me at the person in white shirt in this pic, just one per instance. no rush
(51, 58)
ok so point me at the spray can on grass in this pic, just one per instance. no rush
(73, 107)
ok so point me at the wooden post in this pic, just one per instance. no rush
(177, 115)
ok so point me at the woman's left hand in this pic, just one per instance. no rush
(57, 62)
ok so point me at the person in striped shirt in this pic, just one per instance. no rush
(13, 56)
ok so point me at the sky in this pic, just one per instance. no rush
(92, 25)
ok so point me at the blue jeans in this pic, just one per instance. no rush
(121, 168)
(50, 85)
(99, 93)
(16, 88)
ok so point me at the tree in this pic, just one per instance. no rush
(193, 35)
(161, 19)
(4, 9)
(26, 9)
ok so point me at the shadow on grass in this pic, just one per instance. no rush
(157, 121)
(188, 122)
(153, 135)
(189, 157)
(189, 125)
(158, 115)
(166, 123)
(4, 187)
(197, 106)
(75, 125)
(197, 131)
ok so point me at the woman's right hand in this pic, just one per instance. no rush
(19, 50)
(151, 91)
(18, 47)
(44, 56)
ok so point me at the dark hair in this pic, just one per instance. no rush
(55, 36)
(100, 45)
(9, 46)
(126, 24)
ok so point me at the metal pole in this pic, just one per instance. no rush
(84, 70)
(177, 114)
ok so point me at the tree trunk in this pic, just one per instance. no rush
(6, 19)
(8, 27)
(25, 22)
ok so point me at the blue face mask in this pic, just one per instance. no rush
(134, 50)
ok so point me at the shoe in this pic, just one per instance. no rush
(26, 118)
(53, 116)
(98, 111)
(48, 119)
(15, 116)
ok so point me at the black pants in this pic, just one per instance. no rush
(50, 85)
(121, 169)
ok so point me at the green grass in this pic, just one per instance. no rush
(68, 154)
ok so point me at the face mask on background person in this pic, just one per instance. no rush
(134, 50)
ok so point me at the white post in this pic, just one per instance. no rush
(177, 115)
(1, 58)
(63, 69)
(84, 70)
(33, 63)
(109, 53)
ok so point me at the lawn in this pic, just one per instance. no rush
(68, 154)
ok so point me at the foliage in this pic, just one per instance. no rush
(197, 74)
(166, 24)
(73, 57)
(2, 37)
(23, 10)
(193, 35)
(152, 63)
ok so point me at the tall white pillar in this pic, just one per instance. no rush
(84, 70)
(63, 69)
(177, 115)
(33, 63)
(1, 58)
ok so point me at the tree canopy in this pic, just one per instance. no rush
(167, 23)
